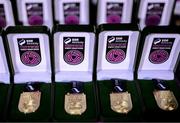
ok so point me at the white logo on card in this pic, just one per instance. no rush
(110, 6)
(112, 39)
(157, 41)
(22, 42)
(150, 7)
(69, 6)
(67, 41)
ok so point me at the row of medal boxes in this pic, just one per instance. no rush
(75, 96)
(40, 12)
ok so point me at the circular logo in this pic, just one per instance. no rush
(35, 20)
(153, 20)
(72, 19)
(30, 58)
(73, 57)
(2, 22)
(113, 19)
(115, 56)
(159, 56)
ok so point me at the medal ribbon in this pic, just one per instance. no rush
(32, 87)
(160, 84)
(119, 85)
(76, 87)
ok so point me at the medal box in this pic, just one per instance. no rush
(155, 12)
(29, 48)
(72, 11)
(117, 50)
(115, 11)
(74, 57)
(6, 18)
(4, 77)
(176, 16)
(35, 12)
(158, 60)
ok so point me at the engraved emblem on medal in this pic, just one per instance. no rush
(29, 100)
(120, 100)
(75, 102)
(164, 97)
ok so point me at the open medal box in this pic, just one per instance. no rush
(155, 12)
(117, 50)
(158, 59)
(89, 60)
(73, 61)
(5, 78)
(29, 48)
(117, 76)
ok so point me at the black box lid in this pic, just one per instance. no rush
(28, 29)
(74, 28)
(117, 27)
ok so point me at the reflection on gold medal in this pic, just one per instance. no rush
(166, 100)
(29, 102)
(178, 22)
(75, 104)
(121, 102)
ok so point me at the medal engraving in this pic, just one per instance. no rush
(166, 100)
(75, 104)
(121, 102)
(29, 102)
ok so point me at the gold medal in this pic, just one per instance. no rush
(120, 99)
(29, 102)
(75, 104)
(121, 102)
(178, 22)
(165, 100)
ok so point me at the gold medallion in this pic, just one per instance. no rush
(75, 104)
(178, 22)
(121, 102)
(166, 100)
(29, 102)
